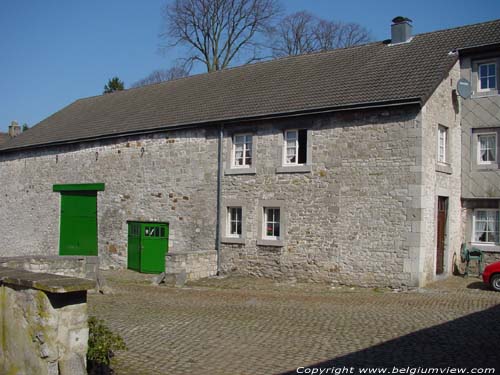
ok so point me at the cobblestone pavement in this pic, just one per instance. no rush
(254, 326)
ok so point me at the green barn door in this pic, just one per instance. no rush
(78, 232)
(154, 243)
(134, 246)
(147, 246)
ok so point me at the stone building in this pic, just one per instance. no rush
(480, 123)
(343, 166)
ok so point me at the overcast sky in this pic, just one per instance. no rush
(54, 52)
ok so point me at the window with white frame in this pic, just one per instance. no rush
(487, 76)
(442, 144)
(271, 223)
(295, 147)
(486, 148)
(485, 226)
(242, 150)
(234, 222)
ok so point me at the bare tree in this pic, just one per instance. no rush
(217, 32)
(303, 32)
(162, 75)
(294, 35)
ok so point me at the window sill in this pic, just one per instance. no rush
(444, 168)
(306, 168)
(277, 243)
(237, 240)
(487, 167)
(487, 248)
(236, 171)
(484, 94)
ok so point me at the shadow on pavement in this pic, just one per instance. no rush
(472, 341)
(479, 285)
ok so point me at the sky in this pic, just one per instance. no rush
(53, 52)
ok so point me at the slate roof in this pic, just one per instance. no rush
(374, 73)
(4, 137)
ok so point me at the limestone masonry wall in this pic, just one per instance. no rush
(167, 177)
(196, 265)
(351, 218)
(439, 179)
(43, 326)
(83, 267)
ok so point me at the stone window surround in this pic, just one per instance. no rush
(484, 245)
(471, 206)
(230, 169)
(475, 76)
(300, 168)
(443, 167)
(233, 203)
(494, 75)
(261, 241)
(475, 148)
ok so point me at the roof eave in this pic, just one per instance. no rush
(351, 107)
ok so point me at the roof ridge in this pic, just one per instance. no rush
(324, 79)
(304, 55)
(459, 27)
(233, 68)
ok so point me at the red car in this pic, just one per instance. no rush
(491, 275)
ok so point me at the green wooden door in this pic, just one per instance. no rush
(134, 246)
(78, 230)
(154, 246)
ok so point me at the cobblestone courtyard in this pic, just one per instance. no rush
(252, 326)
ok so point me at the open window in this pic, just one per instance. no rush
(296, 151)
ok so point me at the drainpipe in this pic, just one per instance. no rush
(219, 198)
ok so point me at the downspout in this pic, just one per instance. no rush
(219, 198)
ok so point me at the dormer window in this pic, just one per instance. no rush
(487, 76)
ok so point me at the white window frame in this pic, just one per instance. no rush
(479, 88)
(285, 161)
(230, 219)
(265, 222)
(442, 144)
(245, 136)
(474, 219)
(479, 161)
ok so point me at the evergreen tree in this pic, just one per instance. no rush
(114, 84)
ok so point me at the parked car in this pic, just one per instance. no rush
(491, 275)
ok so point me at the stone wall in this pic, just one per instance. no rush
(82, 267)
(43, 323)
(165, 177)
(349, 219)
(444, 180)
(196, 265)
(353, 215)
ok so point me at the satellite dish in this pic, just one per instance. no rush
(464, 88)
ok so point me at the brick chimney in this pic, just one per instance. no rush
(14, 129)
(401, 30)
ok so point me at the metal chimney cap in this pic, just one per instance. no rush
(401, 19)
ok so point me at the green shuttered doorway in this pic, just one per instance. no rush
(78, 221)
(147, 246)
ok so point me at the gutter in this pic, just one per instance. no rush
(219, 198)
(238, 120)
